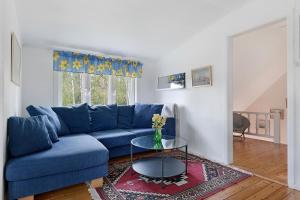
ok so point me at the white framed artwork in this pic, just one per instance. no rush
(16, 60)
(202, 76)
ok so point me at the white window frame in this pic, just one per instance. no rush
(57, 90)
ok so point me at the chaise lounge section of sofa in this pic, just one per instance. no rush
(88, 137)
(74, 159)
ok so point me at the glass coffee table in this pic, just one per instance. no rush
(162, 165)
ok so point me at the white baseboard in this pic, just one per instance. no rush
(296, 187)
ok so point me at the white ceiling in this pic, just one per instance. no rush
(138, 28)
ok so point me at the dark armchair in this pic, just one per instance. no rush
(240, 124)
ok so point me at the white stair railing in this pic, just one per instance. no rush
(262, 124)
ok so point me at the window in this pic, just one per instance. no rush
(78, 88)
(98, 89)
(124, 88)
(71, 88)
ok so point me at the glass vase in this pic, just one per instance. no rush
(157, 136)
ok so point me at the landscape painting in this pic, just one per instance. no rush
(202, 76)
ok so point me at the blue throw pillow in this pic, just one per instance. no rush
(143, 114)
(51, 130)
(125, 116)
(27, 135)
(76, 117)
(59, 125)
(103, 117)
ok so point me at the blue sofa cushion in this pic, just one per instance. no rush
(113, 138)
(76, 117)
(125, 116)
(60, 126)
(143, 114)
(27, 135)
(71, 153)
(103, 117)
(51, 130)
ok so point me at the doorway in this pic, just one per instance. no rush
(259, 96)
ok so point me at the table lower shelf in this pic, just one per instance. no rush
(152, 167)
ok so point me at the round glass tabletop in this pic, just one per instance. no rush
(167, 142)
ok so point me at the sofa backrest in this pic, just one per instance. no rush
(143, 114)
(76, 117)
(103, 117)
(125, 116)
(85, 118)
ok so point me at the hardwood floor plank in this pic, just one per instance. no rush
(244, 194)
(279, 194)
(235, 188)
(263, 158)
(294, 195)
(76, 192)
(264, 193)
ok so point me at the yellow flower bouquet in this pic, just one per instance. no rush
(158, 122)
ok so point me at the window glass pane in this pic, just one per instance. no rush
(95, 89)
(99, 89)
(71, 88)
(122, 92)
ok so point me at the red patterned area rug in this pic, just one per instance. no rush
(204, 179)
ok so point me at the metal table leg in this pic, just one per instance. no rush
(131, 158)
(162, 172)
(186, 159)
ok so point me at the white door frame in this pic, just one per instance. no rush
(290, 95)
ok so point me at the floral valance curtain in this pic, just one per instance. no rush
(67, 61)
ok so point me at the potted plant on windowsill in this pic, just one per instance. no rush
(158, 122)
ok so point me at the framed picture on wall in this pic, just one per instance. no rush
(16, 60)
(174, 81)
(202, 76)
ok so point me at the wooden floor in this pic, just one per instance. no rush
(252, 188)
(257, 188)
(263, 158)
(77, 192)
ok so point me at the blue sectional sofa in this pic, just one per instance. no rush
(88, 136)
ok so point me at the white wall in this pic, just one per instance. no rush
(147, 84)
(296, 139)
(9, 93)
(2, 133)
(259, 60)
(295, 75)
(206, 121)
(38, 79)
